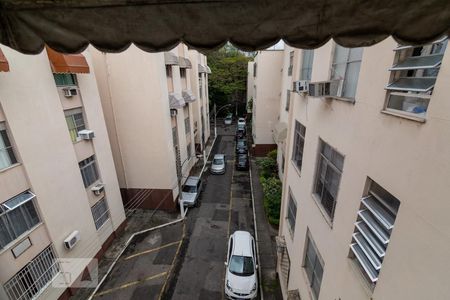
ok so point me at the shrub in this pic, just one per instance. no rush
(268, 165)
(272, 198)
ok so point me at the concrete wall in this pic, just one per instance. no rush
(266, 101)
(407, 158)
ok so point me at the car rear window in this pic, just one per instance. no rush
(218, 161)
(189, 189)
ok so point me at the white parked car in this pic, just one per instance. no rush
(218, 164)
(191, 191)
(241, 280)
(241, 122)
(228, 120)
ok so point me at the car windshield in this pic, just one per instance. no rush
(218, 161)
(189, 189)
(241, 265)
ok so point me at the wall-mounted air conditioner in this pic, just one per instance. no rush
(69, 92)
(86, 134)
(173, 112)
(72, 239)
(301, 86)
(331, 88)
(98, 189)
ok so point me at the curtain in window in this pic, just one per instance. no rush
(308, 57)
(72, 128)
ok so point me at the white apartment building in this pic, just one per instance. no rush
(266, 70)
(365, 183)
(59, 195)
(157, 113)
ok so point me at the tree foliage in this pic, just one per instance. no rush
(228, 80)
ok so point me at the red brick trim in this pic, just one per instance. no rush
(262, 149)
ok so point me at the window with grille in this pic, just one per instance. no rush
(254, 70)
(328, 177)
(187, 120)
(373, 228)
(183, 78)
(413, 76)
(89, 171)
(307, 63)
(291, 213)
(75, 122)
(100, 213)
(200, 84)
(17, 216)
(35, 277)
(288, 100)
(299, 143)
(174, 136)
(313, 265)
(65, 79)
(188, 150)
(169, 78)
(346, 65)
(7, 157)
(291, 63)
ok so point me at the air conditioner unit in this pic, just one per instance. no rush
(69, 92)
(86, 134)
(173, 112)
(98, 189)
(331, 88)
(301, 86)
(72, 239)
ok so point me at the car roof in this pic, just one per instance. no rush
(242, 243)
(192, 180)
(219, 156)
(241, 118)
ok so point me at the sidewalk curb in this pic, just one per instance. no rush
(261, 292)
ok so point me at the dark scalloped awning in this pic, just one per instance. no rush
(157, 25)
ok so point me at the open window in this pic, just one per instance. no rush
(413, 76)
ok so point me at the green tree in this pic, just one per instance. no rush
(272, 198)
(228, 80)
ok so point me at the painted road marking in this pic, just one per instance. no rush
(173, 262)
(151, 250)
(127, 285)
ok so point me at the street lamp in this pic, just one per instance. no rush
(215, 117)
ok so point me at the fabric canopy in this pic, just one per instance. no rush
(170, 58)
(158, 25)
(176, 101)
(4, 65)
(67, 63)
(185, 63)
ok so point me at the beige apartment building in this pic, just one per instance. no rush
(59, 195)
(266, 70)
(365, 183)
(157, 115)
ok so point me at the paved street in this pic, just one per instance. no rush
(225, 206)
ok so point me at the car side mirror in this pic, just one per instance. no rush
(257, 267)
(226, 264)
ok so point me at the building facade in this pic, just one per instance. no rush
(266, 70)
(157, 114)
(59, 195)
(366, 171)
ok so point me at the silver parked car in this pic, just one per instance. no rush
(191, 191)
(218, 164)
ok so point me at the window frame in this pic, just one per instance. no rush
(8, 149)
(346, 63)
(73, 81)
(328, 164)
(95, 210)
(89, 163)
(306, 71)
(71, 114)
(291, 63)
(288, 100)
(309, 241)
(298, 128)
(289, 211)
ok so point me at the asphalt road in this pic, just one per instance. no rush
(225, 206)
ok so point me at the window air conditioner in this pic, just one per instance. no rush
(98, 189)
(72, 239)
(69, 92)
(300, 86)
(173, 112)
(86, 134)
(331, 88)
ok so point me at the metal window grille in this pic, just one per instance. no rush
(288, 100)
(88, 170)
(34, 278)
(63, 79)
(7, 157)
(291, 63)
(307, 63)
(330, 164)
(188, 149)
(313, 266)
(100, 213)
(75, 122)
(373, 228)
(17, 215)
(299, 142)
